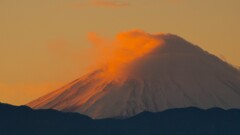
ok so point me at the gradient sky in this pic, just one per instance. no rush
(43, 42)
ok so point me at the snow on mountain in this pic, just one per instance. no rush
(171, 74)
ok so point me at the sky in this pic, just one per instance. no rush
(44, 44)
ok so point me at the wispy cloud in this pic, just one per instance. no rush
(100, 3)
(111, 4)
(176, 1)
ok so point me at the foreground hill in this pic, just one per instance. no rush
(23, 120)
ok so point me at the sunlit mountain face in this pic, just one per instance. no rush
(139, 72)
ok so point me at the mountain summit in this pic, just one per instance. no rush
(149, 72)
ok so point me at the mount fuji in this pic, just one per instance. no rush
(172, 73)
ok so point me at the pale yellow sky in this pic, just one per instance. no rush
(42, 42)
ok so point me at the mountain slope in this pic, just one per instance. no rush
(174, 74)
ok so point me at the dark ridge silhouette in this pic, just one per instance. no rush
(22, 120)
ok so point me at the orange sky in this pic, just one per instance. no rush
(43, 43)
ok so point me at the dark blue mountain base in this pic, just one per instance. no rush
(187, 121)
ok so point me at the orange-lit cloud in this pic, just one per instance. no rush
(113, 56)
(116, 55)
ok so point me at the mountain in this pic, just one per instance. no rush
(172, 73)
(23, 120)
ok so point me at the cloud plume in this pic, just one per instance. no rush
(112, 56)
(116, 55)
